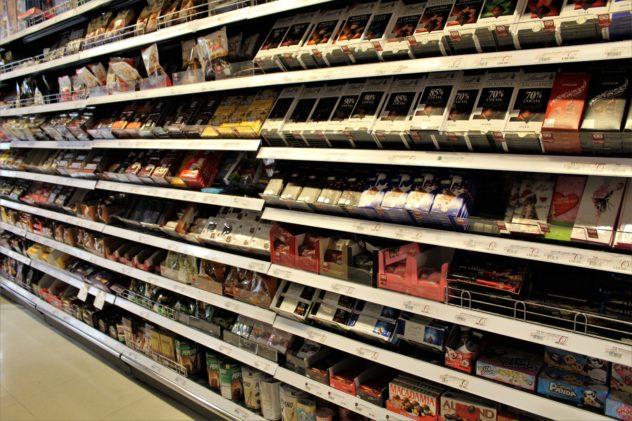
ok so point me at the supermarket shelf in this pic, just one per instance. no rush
(531, 332)
(226, 303)
(539, 56)
(199, 337)
(69, 219)
(54, 179)
(184, 195)
(589, 165)
(551, 253)
(5, 146)
(12, 228)
(179, 144)
(230, 259)
(176, 382)
(91, 5)
(18, 144)
(45, 108)
(336, 396)
(452, 378)
(174, 31)
(15, 255)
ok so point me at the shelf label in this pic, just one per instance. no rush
(281, 273)
(263, 366)
(619, 353)
(156, 367)
(366, 411)
(99, 300)
(415, 307)
(225, 350)
(544, 336)
(316, 337)
(471, 319)
(343, 289)
(83, 292)
(368, 353)
(180, 380)
(454, 381)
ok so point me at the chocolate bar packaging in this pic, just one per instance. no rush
(510, 366)
(604, 112)
(577, 388)
(457, 405)
(494, 23)
(428, 39)
(432, 109)
(454, 128)
(367, 108)
(266, 57)
(618, 405)
(392, 126)
(422, 331)
(623, 236)
(322, 38)
(401, 31)
(531, 211)
(353, 31)
(461, 24)
(318, 120)
(369, 47)
(580, 21)
(489, 117)
(526, 113)
(536, 26)
(565, 206)
(414, 398)
(564, 113)
(335, 130)
(287, 54)
(598, 210)
(271, 131)
(297, 122)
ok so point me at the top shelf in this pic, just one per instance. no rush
(518, 58)
(241, 14)
(62, 17)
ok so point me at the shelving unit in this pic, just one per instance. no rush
(53, 179)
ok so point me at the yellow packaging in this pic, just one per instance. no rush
(167, 346)
(256, 115)
(222, 115)
(154, 340)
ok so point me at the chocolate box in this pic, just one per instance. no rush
(565, 206)
(576, 388)
(462, 348)
(621, 378)
(531, 211)
(598, 210)
(623, 236)
(456, 405)
(619, 405)
(344, 374)
(415, 398)
(423, 331)
(594, 368)
(510, 366)
(564, 112)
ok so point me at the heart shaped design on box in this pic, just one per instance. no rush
(563, 203)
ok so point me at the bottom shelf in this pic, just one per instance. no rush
(167, 377)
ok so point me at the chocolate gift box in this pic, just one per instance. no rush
(428, 39)
(510, 366)
(432, 109)
(401, 31)
(619, 406)
(393, 123)
(595, 368)
(598, 210)
(457, 405)
(526, 113)
(568, 193)
(531, 211)
(621, 378)
(579, 389)
(604, 113)
(564, 112)
(414, 398)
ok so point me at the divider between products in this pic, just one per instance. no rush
(170, 378)
(564, 255)
(458, 380)
(539, 56)
(241, 14)
(527, 331)
(547, 164)
(184, 195)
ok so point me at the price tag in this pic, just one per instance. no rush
(544, 336)
(83, 292)
(281, 273)
(464, 317)
(316, 337)
(366, 411)
(99, 300)
(263, 366)
(368, 353)
(343, 289)
(156, 367)
(415, 307)
(225, 350)
(180, 380)
(231, 306)
(454, 381)
(619, 353)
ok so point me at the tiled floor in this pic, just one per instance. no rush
(46, 376)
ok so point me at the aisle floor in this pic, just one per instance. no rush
(46, 376)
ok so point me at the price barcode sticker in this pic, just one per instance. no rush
(368, 353)
(550, 337)
(83, 292)
(415, 307)
(99, 300)
(454, 381)
(343, 289)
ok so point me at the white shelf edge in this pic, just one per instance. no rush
(213, 401)
(47, 178)
(45, 108)
(183, 195)
(69, 219)
(45, 144)
(199, 337)
(527, 331)
(548, 164)
(21, 232)
(517, 58)
(230, 259)
(336, 396)
(461, 381)
(264, 315)
(77, 11)
(249, 145)
(15, 255)
(5, 146)
(174, 31)
(551, 253)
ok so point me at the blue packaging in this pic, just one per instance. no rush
(620, 28)
(619, 405)
(576, 388)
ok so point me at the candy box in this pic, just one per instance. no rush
(414, 398)
(594, 368)
(533, 204)
(456, 405)
(564, 112)
(308, 252)
(302, 354)
(373, 385)
(421, 196)
(510, 366)
(579, 389)
(619, 405)
(564, 206)
(621, 378)
(200, 169)
(462, 348)
(336, 256)
(598, 210)
(420, 330)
